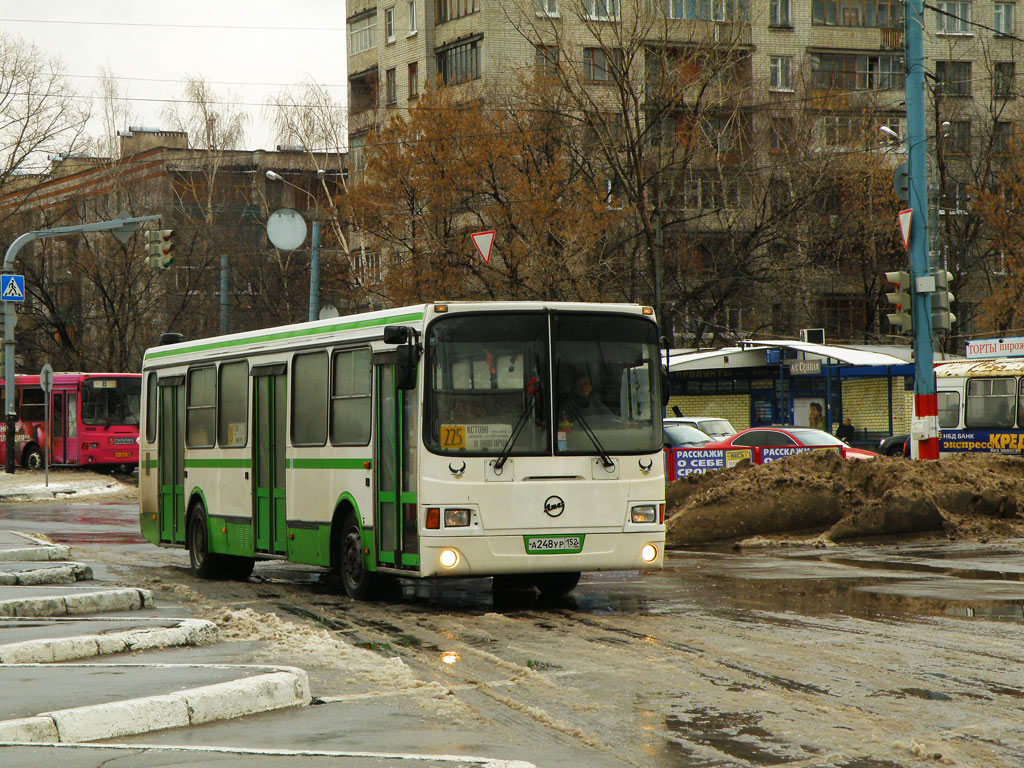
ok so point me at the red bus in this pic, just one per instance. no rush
(94, 419)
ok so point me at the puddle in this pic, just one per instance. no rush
(736, 734)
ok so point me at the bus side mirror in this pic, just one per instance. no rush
(405, 367)
(396, 334)
(665, 390)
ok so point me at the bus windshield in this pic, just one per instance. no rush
(608, 384)
(111, 401)
(489, 387)
(486, 378)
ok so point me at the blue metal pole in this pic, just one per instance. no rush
(314, 273)
(223, 294)
(925, 402)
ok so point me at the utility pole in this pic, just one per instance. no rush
(924, 429)
(122, 228)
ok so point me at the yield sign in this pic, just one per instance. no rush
(483, 242)
(905, 216)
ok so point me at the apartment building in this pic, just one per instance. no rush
(820, 70)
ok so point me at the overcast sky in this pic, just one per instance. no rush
(247, 50)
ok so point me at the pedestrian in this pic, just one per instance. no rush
(845, 431)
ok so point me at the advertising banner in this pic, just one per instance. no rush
(981, 441)
(769, 455)
(697, 461)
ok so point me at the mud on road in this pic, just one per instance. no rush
(800, 658)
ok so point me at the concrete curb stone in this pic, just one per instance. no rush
(286, 687)
(190, 632)
(40, 552)
(56, 574)
(123, 599)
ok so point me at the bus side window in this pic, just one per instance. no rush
(949, 410)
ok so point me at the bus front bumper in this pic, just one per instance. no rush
(491, 554)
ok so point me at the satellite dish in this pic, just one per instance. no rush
(328, 311)
(286, 229)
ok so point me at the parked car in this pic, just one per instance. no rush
(709, 425)
(684, 436)
(786, 437)
(895, 445)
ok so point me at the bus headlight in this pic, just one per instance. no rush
(644, 513)
(649, 553)
(454, 518)
(449, 558)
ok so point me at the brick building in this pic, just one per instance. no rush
(92, 302)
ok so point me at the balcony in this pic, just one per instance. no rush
(892, 39)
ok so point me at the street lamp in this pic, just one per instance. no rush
(314, 259)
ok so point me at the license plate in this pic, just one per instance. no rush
(122, 454)
(123, 440)
(553, 545)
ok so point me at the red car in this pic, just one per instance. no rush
(788, 437)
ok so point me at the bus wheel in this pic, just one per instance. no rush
(556, 584)
(358, 582)
(205, 564)
(32, 458)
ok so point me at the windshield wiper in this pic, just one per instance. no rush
(520, 423)
(606, 460)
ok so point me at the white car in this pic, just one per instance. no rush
(718, 429)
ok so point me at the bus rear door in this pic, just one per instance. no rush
(268, 459)
(171, 469)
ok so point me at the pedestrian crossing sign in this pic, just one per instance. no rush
(12, 287)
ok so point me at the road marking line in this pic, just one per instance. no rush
(486, 762)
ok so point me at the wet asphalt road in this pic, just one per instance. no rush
(860, 657)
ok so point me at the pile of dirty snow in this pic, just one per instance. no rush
(974, 497)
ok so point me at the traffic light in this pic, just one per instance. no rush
(902, 320)
(942, 318)
(159, 248)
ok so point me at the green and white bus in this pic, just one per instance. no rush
(518, 439)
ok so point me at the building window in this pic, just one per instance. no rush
(390, 89)
(856, 72)
(309, 399)
(1004, 18)
(778, 13)
(459, 63)
(958, 140)
(362, 34)
(414, 80)
(547, 7)
(599, 64)
(607, 10)
(547, 60)
(953, 78)
(389, 24)
(779, 73)
(455, 9)
(412, 17)
(1002, 79)
(702, 10)
(357, 153)
(1002, 133)
(857, 13)
(780, 133)
(953, 18)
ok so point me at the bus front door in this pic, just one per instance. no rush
(268, 445)
(394, 464)
(58, 433)
(171, 459)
